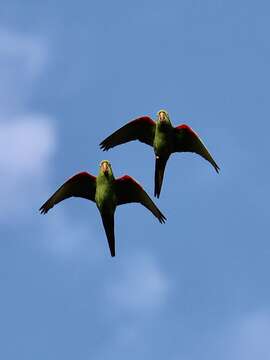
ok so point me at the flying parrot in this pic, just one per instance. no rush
(163, 137)
(107, 192)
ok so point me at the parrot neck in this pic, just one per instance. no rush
(105, 179)
(164, 125)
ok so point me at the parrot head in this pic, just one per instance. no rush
(163, 117)
(106, 168)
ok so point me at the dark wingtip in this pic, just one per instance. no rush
(217, 168)
(43, 209)
(104, 146)
(162, 219)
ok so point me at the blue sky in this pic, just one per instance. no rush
(194, 288)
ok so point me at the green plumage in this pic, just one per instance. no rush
(163, 137)
(107, 192)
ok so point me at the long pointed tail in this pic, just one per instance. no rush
(159, 173)
(108, 223)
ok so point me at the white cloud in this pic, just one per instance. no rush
(28, 50)
(26, 145)
(249, 337)
(245, 337)
(22, 60)
(135, 291)
(68, 237)
(139, 284)
(27, 140)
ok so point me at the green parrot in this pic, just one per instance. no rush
(107, 192)
(163, 137)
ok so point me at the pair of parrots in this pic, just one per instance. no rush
(108, 192)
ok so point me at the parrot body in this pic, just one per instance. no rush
(107, 192)
(105, 197)
(162, 140)
(163, 137)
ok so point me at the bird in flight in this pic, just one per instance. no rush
(107, 192)
(163, 137)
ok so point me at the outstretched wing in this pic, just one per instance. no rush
(80, 185)
(128, 191)
(186, 140)
(142, 129)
